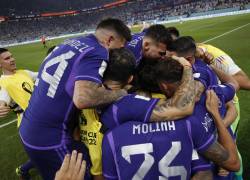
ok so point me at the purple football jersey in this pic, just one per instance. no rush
(204, 74)
(129, 108)
(135, 46)
(159, 150)
(51, 113)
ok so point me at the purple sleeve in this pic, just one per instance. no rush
(202, 138)
(202, 76)
(199, 163)
(91, 67)
(136, 108)
(108, 159)
(226, 90)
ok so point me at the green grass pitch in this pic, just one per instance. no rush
(236, 44)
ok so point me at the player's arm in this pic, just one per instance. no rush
(181, 104)
(243, 80)
(204, 175)
(203, 54)
(88, 94)
(231, 114)
(225, 78)
(4, 101)
(32, 74)
(224, 152)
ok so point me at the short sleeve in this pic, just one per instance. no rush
(227, 91)
(203, 73)
(32, 74)
(201, 136)
(199, 163)
(92, 66)
(136, 108)
(108, 161)
(4, 96)
(226, 64)
(202, 77)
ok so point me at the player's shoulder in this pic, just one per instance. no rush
(136, 39)
(88, 46)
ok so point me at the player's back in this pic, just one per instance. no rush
(51, 110)
(149, 151)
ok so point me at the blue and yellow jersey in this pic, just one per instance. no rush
(19, 87)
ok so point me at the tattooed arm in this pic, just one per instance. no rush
(181, 104)
(203, 175)
(224, 152)
(88, 94)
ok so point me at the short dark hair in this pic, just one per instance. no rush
(146, 78)
(2, 50)
(183, 45)
(121, 65)
(173, 31)
(117, 26)
(169, 71)
(159, 34)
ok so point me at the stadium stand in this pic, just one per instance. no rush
(81, 16)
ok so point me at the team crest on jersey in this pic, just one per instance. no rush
(207, 122)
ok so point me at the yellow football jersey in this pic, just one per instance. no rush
(90, 128)
(19, 87)
(221, 59)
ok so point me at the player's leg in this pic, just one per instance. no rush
(234, 127)
(23, 170)
(47, 162)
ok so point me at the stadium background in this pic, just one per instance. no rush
(230, 33)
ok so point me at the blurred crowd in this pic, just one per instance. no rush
(133, 12)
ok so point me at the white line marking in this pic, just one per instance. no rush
(226, 33)
(6, 124)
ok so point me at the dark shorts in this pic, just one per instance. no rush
(48, 162)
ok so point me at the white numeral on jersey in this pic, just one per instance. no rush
(148, 162)
(167, 159)
(54, 80)
(142, 97)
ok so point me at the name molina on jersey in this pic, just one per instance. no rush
(153, 127)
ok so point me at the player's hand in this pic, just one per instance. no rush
(182, 61)
(204, 55)
(223, 172)
(4, 109)
(73, 167)
(212, 102)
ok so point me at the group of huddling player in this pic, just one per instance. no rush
(151, 105)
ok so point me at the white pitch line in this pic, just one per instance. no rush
(6, 124)
(226, 33)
